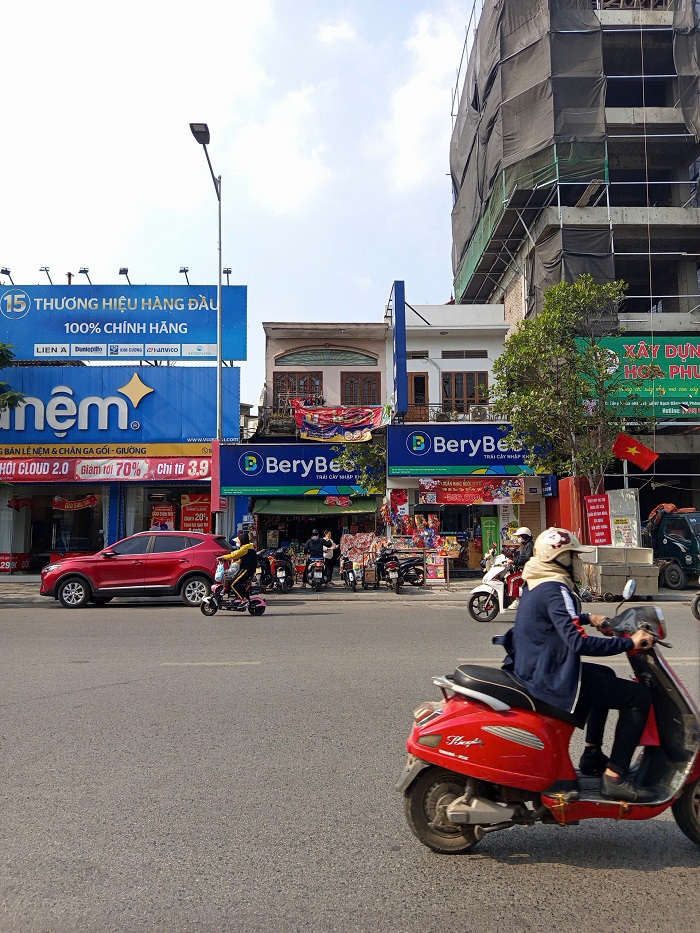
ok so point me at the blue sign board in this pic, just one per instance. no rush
(113, 322)
(284, 470)
(451, 450)
(77, 405)
(398, 299)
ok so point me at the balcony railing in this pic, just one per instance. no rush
(633, 4)
(448, 411)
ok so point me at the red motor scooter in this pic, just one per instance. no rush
(488, 756)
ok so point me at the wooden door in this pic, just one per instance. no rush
(418, 409)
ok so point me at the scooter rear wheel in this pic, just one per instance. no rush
(483, 607)
(256, 610)
(426, 801)
(686, 811)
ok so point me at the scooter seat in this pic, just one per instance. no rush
(502, 686)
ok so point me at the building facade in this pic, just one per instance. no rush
(576, 149)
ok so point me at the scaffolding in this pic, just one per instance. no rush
(635, 189)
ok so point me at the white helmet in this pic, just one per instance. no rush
(522, 531)
(554, 542)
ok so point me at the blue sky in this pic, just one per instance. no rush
(330, 126)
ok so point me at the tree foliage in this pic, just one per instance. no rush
(368, 459)
(561, 391)
(8, 397)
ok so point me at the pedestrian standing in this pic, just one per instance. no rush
(329, 547)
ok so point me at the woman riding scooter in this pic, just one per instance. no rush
(514, 582)
(248, 559)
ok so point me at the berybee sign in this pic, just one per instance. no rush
(284, 470)
(111, 322)
(452, 450)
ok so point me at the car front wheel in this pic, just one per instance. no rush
(194, 589)
(74, 593)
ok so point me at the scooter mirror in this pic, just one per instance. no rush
(628, 592)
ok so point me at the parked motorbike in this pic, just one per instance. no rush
(266, 578)
(316, 573)
(387, 569)
(488, 756)
(348, 573)
(412, 570)
(220, 599)
(283, 571)
(491, 594)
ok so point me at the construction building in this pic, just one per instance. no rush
(576, 148)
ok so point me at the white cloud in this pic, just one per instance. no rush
(415, 138)
(280, 158)
(340, 31)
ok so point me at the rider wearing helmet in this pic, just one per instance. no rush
(523, 537)
(545, 648)
(314, 549)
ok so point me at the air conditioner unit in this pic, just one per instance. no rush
(479, 413)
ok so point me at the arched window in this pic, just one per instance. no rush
(315, 357)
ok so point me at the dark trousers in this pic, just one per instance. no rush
(329, 561)
(239, 586)
(601, 691)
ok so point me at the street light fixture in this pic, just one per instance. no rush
(6, 271)
(185, 269)
(83, 270)
(200, 131)
(46, 270)
(227, 273)
(125, 271)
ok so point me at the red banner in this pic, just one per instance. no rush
(163, 517)
(70, 505)
(19, 502)
(10, 562)
(195, 513)
(114, 469)
(505, 490)
(598, 510)
(338, 424)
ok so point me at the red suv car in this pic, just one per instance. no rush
(151, 563)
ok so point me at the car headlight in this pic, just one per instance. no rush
(50, 568)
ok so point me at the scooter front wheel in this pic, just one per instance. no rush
(686, 811)
(426, 802)
(695, 606)
(208, 606)
(483, 607)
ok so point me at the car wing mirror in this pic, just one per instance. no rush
(109, 554)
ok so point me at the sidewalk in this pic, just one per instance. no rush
(23, 590)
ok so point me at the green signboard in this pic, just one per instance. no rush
(663, 371)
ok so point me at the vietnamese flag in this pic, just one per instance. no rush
(626, 448)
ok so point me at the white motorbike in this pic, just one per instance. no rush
(491, 595)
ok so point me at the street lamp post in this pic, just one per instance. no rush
(200, 131)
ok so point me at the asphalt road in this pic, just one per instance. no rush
(166, 772)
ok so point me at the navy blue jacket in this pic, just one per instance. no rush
(546, 643)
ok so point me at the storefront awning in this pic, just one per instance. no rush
(312, 505)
